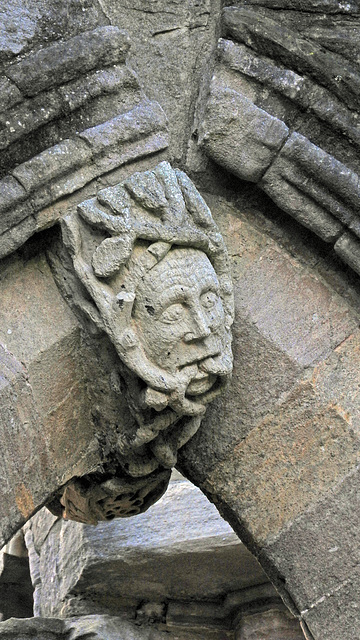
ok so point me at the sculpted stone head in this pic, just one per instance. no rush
(155, 269)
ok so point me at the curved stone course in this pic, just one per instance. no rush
(70, 112)
(276, 94)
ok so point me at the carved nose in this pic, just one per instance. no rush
(199, 329)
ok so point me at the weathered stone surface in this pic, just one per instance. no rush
(348, 248)
(242, 66)
(13, 209)
(173, 53)
(315, 177)
(105, 81)
(12, 193)
(336, 177)
(319, 538)
(15, 629)
(170, 328)
(269, 625)
(51, 163)
(262, 32)
(47, 397)
(10, 94)
(62, 62)
(29, 24)
(339, 610)
(14, 237)
(239, 136)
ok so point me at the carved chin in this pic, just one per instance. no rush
(201, 383)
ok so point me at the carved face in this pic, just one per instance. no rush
(178, 314)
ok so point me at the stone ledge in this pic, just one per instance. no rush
(265, 35)
(71, 164)
(63, 61)
(34, 113)
(298, 88)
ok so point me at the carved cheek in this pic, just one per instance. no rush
(215, 316)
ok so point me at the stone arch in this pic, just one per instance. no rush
(283, 466)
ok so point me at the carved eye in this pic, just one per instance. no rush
(174, 313)
(209, 299)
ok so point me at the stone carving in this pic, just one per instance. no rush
(152, 273)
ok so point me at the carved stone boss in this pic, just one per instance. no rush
(152, 272)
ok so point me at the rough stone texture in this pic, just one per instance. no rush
(30, 24)
(62, 62)
(270, 625)
(49, 390)
(266, 470)
(260, 30)
(348, 248)
(232, 122)
(174, 46)
(276, 63)
(72, 79)
(15, 629)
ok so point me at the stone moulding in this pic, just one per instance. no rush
(150, 269)
(276, 94)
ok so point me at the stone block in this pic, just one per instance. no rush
(325, 538)
(52, 163)
(13, 209)
(269, 625)
(348, 248)
(131, 151)
(24, 451)
(12, 192)
(46, 398)
(10, 94)
(64, 61)
(265, 74)
(297, 190)
(13, 238)
(142, 120)
(306, 326)
(29, 116)
(105, 81)
(337, 611)
(289, 461)
(238, 135)
(265, 35)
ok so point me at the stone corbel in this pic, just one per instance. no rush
(150, 270)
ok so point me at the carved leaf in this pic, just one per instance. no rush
(110, 255)
(146, 189)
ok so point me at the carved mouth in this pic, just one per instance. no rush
(201, 383)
